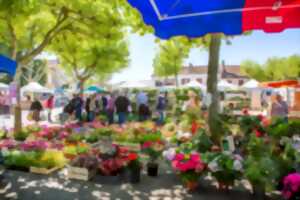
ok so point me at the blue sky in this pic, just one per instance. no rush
(259, 46)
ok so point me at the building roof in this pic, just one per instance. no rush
(201, 69)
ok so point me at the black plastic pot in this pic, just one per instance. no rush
(152, 169)
(259, 192)
(134, 175)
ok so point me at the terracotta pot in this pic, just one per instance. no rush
(191, 185)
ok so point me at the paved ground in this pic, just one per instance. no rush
(27, 186)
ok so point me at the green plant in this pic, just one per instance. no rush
(152, 137)
(75, 137)
(92, 138)
(225, 167)
(261, 171)
(21, 135)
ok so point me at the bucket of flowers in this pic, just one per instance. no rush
(152, 145)
(154, 150)
(187, 165)
(134, 167)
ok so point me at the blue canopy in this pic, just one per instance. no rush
(194, 18)
(8, 65)
(95, 89)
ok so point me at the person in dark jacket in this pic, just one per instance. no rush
(122, 103)
(160, 107)
(77, 104)
(36, 108)
(87, 109)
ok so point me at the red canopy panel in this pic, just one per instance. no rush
(279, 84)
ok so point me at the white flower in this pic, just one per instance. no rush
(237, 165)
(213, 166)
(169, 154)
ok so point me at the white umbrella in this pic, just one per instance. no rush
(35, 88)
(195, 84)
(252, 84)
(224, 85)
(3, 86)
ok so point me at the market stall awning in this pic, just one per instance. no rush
(94, 89)
(195, 84)
(280, 84)
(252, 84)
(194, 18)
(7, 65)
(224, 85)
(3, 86)
(34, 87)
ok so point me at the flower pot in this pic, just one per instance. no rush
(152, 169)
(134, 175)
(191, 185)
(259, 191)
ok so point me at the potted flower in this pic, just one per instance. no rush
(189, 167)
(134, 166)
(154, 151)
(225, 167)
(260, 168)
(291, 186)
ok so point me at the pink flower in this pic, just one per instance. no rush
(179, 156)
(147, 144)
(291, 185)
(8, 143)
(34, 145)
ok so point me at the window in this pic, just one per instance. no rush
(185, 81)
(241, 82)
(199, 80)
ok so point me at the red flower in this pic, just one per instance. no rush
(258, 133)
(260, 117)
(245, 112)
(132, 156)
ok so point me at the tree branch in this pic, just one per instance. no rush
(13, 41)
(48, 37)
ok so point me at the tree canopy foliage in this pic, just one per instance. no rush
(170, 56)
(274, 69)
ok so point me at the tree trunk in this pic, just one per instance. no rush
(17, 107)
(176, 79)
(212, 81)
(81, 86)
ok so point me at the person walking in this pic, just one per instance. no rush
(49, 107)
(160, 107)
(93, 107)
(111, 109)
(142, 104)
(122, 103)
(77, 103)
(36, 108)
(87, 109)
(279, 108)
